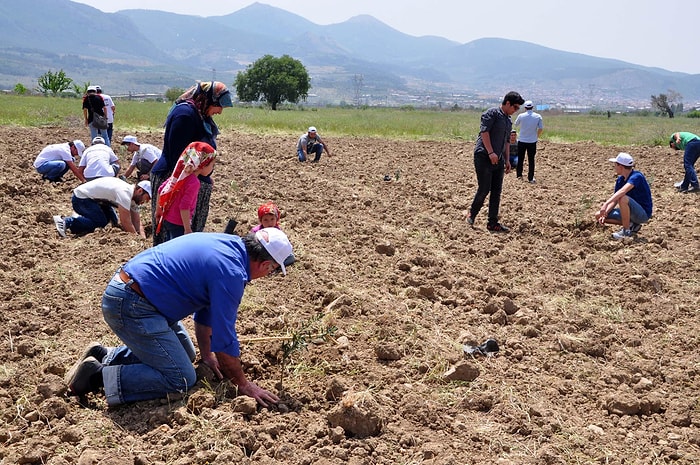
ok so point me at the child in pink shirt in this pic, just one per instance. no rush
(174, 217)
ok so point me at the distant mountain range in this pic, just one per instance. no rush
(359, 61)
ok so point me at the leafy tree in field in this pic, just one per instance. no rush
(20, 89)
(54, 82)
(81, 90)
(273, 80)
(173, 93)
(667, 104)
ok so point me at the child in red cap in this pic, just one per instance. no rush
(269, 217)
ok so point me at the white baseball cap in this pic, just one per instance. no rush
(98, 140)
(130, 140)
(79, 146)
(624, 159)
(312, 129)
(145, 185)
(276, 243)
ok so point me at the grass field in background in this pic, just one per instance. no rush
(407, 124)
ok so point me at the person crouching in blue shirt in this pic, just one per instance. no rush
(632, 198)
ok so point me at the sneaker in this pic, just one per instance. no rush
(635, 227)
(95, 350)
(470, 220)
(622, 234)
(677, 184)
(81, 377)
(532, 181)
(60, 225)
(497, 227)
(690, 189)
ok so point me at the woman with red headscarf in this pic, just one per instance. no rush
(190, 120)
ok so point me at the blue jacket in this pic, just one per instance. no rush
(182, 127)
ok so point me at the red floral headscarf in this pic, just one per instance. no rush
(269, 208)
(196, 155)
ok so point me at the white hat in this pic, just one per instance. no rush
(79, 146)
(92, 89)
(276, 243)
(312, 129)
(624, 159)
(98, 140)
(145, 185)
(528, 104)
(130, 140)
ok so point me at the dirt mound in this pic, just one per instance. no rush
(598, 359)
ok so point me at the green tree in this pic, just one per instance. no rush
(173, 93)
(273, 80)
(79, 89)
(20, 89)
(54, 82)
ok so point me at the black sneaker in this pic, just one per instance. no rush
(691, 189)
(497, 227)
(635, 227)
(96, 350)
(81, 377)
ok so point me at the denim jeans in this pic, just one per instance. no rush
(158, 361)
(690, 156)
(317, 149)
(53, 170)
(92, 215)
(490, 181)
(94, 132)
(637, 213)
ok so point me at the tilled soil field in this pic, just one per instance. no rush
(598, 360)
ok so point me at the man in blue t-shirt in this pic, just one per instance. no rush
(203, 274)
(632, 198)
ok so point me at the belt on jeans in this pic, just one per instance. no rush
(134, 286)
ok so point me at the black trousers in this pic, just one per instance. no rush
(531, 149)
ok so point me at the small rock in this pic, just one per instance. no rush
(462, 371)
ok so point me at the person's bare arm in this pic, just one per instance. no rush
(76, 171)
(232, 370)
(609, 204)
(125, 220)
(136, 221)
(203, 335)
(186, 221)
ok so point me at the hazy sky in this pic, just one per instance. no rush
(645, 32)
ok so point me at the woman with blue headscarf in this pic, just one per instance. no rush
(190, 120)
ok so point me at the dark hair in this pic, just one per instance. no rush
(256, 251)
(514, 98)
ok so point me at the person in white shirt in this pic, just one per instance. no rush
(94, 202)
(111, 109)
(56, 159)
(531, 128)
(99, 160)
(143, 159)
